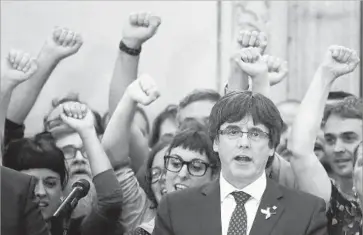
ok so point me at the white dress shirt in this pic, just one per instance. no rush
(228, 203)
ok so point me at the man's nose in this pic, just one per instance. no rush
(243, 141)
(339, 146)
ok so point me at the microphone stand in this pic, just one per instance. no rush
(67, 217)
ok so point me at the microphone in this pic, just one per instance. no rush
(80, 190)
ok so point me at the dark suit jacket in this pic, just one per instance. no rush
(20, 215)
(197, 211)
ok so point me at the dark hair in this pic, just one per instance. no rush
(349, 107)
(163, 142)
(234, 106)
(169, 112)
(37, 152)
(338, 95)
(198, 95)
(74, 97)
(143, 114)
(197, 141)
(355, 152)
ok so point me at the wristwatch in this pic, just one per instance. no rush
(130, 51)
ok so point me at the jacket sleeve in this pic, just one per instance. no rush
(33, 221)
(163, 222)
(105, 213)
(318, 222)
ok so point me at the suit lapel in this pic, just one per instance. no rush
(210, 210)
(271, 197)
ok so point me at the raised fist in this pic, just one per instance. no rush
(17, 67)
(277, 69)
(63, 43)
(251, 62)
(78, 116)
(143, 90)
(139, 28)
(253, 39)
(339, 61)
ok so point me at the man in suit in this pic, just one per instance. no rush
(20, 214)
(245, 128)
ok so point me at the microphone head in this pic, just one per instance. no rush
(84, 185)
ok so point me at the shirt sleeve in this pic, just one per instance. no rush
(13, 131)
(136, 207)
(343, 214)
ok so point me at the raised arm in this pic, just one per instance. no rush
(309, 173)
(144, 91)
(135, 204)
(139, 28)
(104, 216)
(59, 45)
(277, 68)
(251, 62)
(16, 68)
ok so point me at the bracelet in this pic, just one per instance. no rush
(226, 90)
(128, 50)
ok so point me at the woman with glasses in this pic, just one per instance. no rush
(189, 162)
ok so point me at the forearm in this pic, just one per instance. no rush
(308, 120)
(5, 95)
(116, 140)
(238, 80)
(261, 85)
(125, 71)
(310, 173)
(26, 94)
(139, 148)
(98, 159)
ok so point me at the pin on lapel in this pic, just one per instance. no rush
(267, 212)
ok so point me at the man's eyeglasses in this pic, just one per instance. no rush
(196, 167)
(70, 152)
(254, 134)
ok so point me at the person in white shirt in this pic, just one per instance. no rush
(245, 128)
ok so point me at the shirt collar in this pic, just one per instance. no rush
(255, 189)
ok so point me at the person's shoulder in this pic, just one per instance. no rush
(188, 195)
(13, 176)
(300, 197)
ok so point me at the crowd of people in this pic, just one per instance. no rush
(232, 163)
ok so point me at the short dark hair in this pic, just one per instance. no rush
(163, 142)
(234, 106)
(37, 152)
(338, 95)
(197, 141)
(199, 95)
(74, 97)
(143, 114)
(169, 112)
(349, 107)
